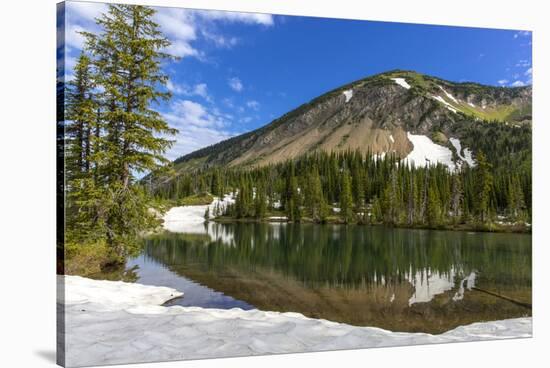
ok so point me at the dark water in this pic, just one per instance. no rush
(399, 279)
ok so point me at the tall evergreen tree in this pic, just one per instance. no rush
(81, 108)
(260, 202)
(346, 199)
(456, 197)
(314, 198)
(484, 185)
(128, 54)
(119, 131)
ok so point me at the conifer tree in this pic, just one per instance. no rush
(260, 202)
(456, 197)
(82, 119)
(433, 212)
(118, 134)
(315, 201)
(127, 55)
(484, 184)
(346, 199)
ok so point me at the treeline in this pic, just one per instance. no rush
(112, 134)
(352, 187)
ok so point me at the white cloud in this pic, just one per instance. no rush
(228, 102)
(177, 23)
(186, 112)
(200, 90)
(194, 138)
(503, 81)
(518, 83)
(523, 63)
(181, 26)
(522, 34)
(73, 37)
(174, 87)
(250, 18)
(235, 84)
(220, 114)
(86, 10)
(254, 105)
(219, 40)
(198, 126)
(183, 49)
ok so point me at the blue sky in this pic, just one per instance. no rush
(239, 71)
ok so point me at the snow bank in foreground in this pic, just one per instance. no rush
(190, 219)
(102, 330)
(349, 94)
(114, 294)
(426, 152)
(402, 82)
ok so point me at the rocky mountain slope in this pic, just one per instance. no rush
(413, 116)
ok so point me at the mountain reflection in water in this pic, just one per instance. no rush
(398, 279)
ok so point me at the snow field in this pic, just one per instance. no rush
(109, 322)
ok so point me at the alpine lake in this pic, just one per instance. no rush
(396, 279)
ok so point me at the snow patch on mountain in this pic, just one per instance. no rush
(467, 156)
(447, 105)
(349, 94)
(450, 96)
(425, 153)
(402, 82)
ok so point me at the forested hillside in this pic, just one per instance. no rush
(399, 148)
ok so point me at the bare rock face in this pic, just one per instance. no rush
(371, 115)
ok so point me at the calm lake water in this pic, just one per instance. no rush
(398, 279)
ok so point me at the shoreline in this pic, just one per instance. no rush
(194, 214)
(507, 229)
(141, 329)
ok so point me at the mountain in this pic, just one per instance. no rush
(411, 115)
